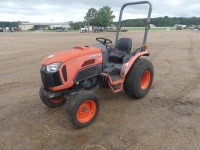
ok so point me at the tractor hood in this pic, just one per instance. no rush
(68, 55)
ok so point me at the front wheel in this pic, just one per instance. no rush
(139, 79)
(82, 108)
(51, 102)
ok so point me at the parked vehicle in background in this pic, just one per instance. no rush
(195, 27)
(180, 27)
(83, 30)
(61, 29)
(98, 29)
(9, 29)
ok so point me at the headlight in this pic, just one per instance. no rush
(53, 67)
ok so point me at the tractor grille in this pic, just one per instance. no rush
(50, 79)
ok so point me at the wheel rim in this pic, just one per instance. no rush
(145, 80)
(86, 111)
(56, 100)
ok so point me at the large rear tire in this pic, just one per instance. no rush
(139, 79)
(82, 108)
(53, 103)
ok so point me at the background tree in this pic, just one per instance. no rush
(9, 24)
(105, 17)
(77, 25)
(101, 18)
(91, 17)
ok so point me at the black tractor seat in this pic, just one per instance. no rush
(122, 48)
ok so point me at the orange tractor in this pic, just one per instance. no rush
(68, 75)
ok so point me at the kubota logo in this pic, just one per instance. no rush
(50, 56)
(94, 55)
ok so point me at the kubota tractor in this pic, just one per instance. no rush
(68, 75)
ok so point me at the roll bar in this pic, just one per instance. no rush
(148, 20)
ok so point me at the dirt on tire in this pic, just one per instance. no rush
(132, 83)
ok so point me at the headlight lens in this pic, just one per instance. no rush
(53, 67)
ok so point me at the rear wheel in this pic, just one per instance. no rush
(139, 79)
(51, 102)
(82, 108)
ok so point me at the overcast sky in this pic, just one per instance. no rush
(75, 10)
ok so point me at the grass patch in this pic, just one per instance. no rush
(73, 30)
(155, 28)
(48, 31)
(27, 31)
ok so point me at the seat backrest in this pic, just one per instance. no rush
(124, 44)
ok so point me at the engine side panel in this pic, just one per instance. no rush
(88, 73)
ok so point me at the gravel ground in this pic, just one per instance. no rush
(167, 118)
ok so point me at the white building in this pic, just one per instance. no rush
(44, 26)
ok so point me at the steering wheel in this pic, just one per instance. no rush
(104, 41)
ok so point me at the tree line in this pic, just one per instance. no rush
(158, 22)
(104, 18)
(4, 24)
(162, 21)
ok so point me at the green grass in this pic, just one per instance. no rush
(170, 28)
(63, 31)
(157, 28)
(73, 30)
(48, 31)
(27, 31)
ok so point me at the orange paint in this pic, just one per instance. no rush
(86, 111)
(131, 61)
(69, 55)
(145, 80)
(73, 59)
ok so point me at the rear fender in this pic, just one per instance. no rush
(126, 66)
